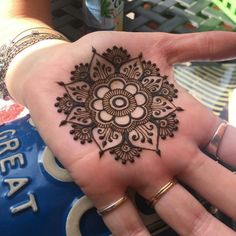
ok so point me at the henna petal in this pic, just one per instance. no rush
(138, 113)
(101, 91)
(100, 68)
(117, 84)
(123, 120)
(131, 88)
(145, 136)
(78, 91)
(161, 107)
(97, 105)
(140, 99)
(79, 116)
(106, 138)
(152, 83)
(133, 68)
(104, 117)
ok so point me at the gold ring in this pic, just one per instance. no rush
(112, 206)
(162, 191)
(213, 146)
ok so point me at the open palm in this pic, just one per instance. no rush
(117, 119)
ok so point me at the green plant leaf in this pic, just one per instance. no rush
(106, 10)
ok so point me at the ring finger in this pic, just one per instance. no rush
(178, 208)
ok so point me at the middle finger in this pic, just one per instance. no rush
(187, 216)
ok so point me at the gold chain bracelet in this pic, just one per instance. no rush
(22, 41)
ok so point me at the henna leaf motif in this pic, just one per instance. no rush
(78, 91)
(145, 136)
(100, 68)
(80, 116)
(152, 83)
(161, 107)
(133, 69)
(106, 138)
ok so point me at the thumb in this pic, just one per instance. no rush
(214, 45)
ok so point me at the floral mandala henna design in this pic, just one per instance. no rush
(122, 104)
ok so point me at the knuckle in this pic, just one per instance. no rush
(194, 164)
(140, 231)
(202, 225)
(209, 44)
(136, 230)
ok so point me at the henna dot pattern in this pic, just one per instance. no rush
(122, 104)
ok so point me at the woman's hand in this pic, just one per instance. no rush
(165, 134)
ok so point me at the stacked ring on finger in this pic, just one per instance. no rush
(213, 145)
(162, 191)
(112, 206)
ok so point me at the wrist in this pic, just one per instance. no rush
(10, 27)
(22, 65)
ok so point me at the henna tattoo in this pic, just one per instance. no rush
(122, 104)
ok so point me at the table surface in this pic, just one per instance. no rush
(175, 16)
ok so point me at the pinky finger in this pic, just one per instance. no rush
(187, 216)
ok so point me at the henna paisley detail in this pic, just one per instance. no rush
(81, 72)
(116, 55)
(150, 69)
(168, 90)
(83, 134)
(168, 126)
(125, 152)
(120, 103)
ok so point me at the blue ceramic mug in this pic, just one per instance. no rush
(38, 196)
